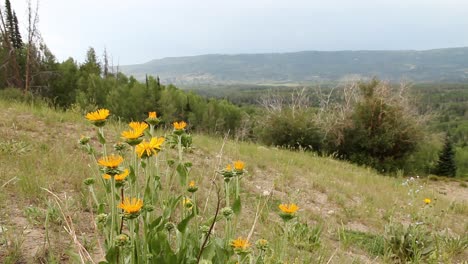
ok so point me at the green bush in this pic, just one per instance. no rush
(408, 244)
(296, 130)
(380, 130)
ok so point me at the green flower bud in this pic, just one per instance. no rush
(122, 240)
(169, 226)
(262, 244)
(227, 212)
(89, 181)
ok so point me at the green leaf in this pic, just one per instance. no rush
(236, 207)
(183, 173)
(101, 208)
(143, 164)
(101, 138)
(182, 226)
(111, 255)
(132, 175)
(170, 162)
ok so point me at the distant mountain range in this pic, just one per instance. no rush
(437, 65)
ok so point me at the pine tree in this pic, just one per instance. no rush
(9, 17)
(91, 64)
(16, 35)
(106, 64)
(446, 165)
(10, 23)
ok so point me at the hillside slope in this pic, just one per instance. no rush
(439, 65)
(345, 208)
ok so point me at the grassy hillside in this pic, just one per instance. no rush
(308, 66)
(346, 212)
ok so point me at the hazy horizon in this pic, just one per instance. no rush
(140, 31)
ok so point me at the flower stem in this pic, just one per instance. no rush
(113, 210)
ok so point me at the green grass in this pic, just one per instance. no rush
(341, 203)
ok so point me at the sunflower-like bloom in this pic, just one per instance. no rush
(179, 125)
(112, 161)
(138, 126)
(427, 201)
(132, 206)
(239, 166)
(152, 115)
(118, 177)
(133, 136)
(147, 149)
(288, 211)
(240, 245)
(192, 187)
(98, 117)
(152, 119)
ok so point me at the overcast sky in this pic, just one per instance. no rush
(136, 31)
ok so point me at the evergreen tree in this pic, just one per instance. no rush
(91, 64)
(446, 165)
(12, 26)
(106, 64)
(16, 35)
(9, 17)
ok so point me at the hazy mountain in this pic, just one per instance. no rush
(449, 64)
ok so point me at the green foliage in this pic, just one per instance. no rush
(372, 243)
(305, 237)
(63, 86)
(379, 131)
(413, 243)
(291, 129)
(446, 164)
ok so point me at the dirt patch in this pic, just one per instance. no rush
(451, 190)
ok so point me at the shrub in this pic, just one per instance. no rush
(412, 243)
(289, 129)
(446, 164)
(378, 128)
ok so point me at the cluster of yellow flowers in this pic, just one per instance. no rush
(144, 149)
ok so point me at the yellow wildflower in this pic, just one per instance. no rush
(99, 115)
(288, 208)
(288, 211)
(98, 118)
(112, 161)
(427, 201)
(228, 168)
(147, 149)
(240, 245)
(132, 134)
(118, 177)
(132, 206)
(152, 119)
(239, 165)
(179, 125)
(138, 126)
(187, 203)
(152, 115)
(192, 187)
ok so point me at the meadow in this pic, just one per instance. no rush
(346, 213)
